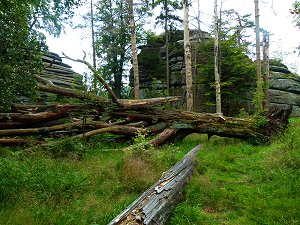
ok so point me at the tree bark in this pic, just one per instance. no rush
(164, 136)
(217, 61)
(167, 46)
(15, 142)
(187, 57)
(258, 60)
(155, 204)
(212, 124)
(134, 50)
(266, 102)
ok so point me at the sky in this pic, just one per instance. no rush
(275, 17)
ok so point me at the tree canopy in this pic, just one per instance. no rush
(22, 43)
(236, 68)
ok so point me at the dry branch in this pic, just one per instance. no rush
(96, 74)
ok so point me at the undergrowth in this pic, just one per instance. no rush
(91, 182)
(237, 183)
(79, 182)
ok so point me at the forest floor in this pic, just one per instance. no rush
(76, 182)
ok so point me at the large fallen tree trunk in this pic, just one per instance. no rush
(155, 204)
(200, 123)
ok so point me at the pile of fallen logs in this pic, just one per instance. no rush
(97, 115)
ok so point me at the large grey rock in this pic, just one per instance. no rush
(283, 97)
(295, 109)
(285, 84)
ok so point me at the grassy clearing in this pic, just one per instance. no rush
(237, 183)
(90, 183)
(79, 183)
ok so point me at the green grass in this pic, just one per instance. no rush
(77, 182)
(237, 183)
(91, 183)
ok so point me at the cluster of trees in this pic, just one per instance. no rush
(117, 29)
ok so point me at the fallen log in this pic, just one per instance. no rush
(15, 142)
(211, 124)
(115, 129)
(163, 136)
(155, 204)
(60, 127)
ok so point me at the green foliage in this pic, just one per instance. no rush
(296, 10)
(19, 53)
(155, 90)
(168, 13)
(237, 183)
(113, 38)
(233, 181)
(237, 71)
(22, 43)
(234, 27)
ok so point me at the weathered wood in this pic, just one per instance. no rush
(163, 136)
(212, 124)
(144, 103)
(79, 125)
(14, 142)
(72, 93)
(155, 204)
(115, 129)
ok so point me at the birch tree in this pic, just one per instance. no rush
(216, 66)
(134, 50)
(266, 101)
(259, 97)
(167, 18)
(187, 57)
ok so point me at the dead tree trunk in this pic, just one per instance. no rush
(155, 204)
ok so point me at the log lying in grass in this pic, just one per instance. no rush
(155, 204)
(15, 142)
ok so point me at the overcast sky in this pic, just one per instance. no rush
(274, 17)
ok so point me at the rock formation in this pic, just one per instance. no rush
(284, 87)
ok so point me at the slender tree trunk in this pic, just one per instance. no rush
(216, 52)
(134, 51)
(198, 20)
(266, 102)
(187, 57)
(167, 46)
(93, 45)
(258, 61)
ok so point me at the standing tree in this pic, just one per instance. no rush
(266, 41)
(217, 60)
(187, 57)
(134, 50)
(168, 20)
(259, 97)
(235, 26)
(112, 41)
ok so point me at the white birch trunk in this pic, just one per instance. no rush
(258, 61)
(187, 58)
(216, 53)
(134, 51)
